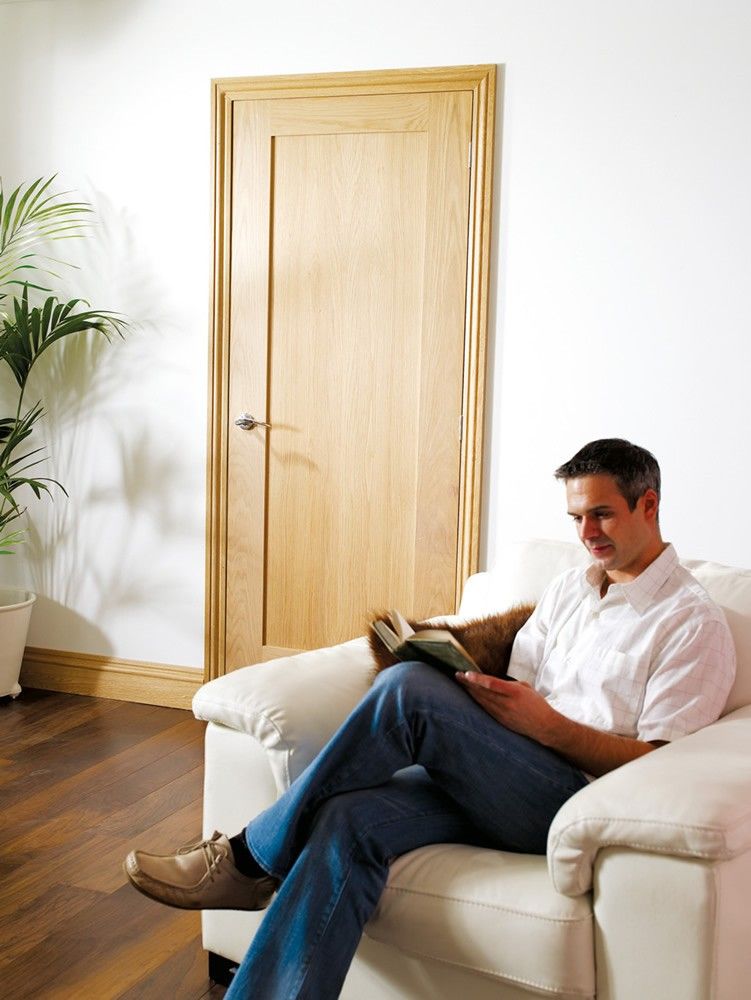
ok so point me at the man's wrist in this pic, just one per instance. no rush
(592, 750)
(561, 734)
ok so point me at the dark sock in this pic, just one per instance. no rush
(244, 860)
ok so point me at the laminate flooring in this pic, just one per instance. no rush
(82, 781)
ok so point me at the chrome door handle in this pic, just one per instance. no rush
(248, 422)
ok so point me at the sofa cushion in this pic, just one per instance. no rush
(731, 589)
(522, 574)
(490, 911)
(291, 705)
(689, 799)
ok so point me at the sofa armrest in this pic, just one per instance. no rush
(291, 705)
(691, 798)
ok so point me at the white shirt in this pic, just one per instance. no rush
(652, 659)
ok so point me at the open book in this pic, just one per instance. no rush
(435, 646)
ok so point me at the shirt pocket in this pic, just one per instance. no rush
(619, 681)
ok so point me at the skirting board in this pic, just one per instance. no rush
(109, 677)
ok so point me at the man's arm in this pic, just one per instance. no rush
(520, 708)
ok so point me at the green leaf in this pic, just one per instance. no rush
(29, 218)
(32, 330)
(11, 539)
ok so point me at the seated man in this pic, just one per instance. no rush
(616, 660)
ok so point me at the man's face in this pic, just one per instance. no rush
(622, 541)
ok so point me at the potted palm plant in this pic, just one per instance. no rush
(32, 320)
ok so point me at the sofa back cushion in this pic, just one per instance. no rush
(528, 567)
(731, 589)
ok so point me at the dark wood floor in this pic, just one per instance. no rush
(82, 781)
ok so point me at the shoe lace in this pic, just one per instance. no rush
(192, 846)
(213, 853)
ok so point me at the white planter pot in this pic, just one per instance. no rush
(15, 612)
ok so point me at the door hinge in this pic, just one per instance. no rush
(469, 161)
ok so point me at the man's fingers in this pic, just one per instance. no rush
(495, 684)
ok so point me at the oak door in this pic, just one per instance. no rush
(348, 251)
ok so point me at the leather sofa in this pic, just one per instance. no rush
(645, 892)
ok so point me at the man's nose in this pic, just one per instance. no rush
(589, 527)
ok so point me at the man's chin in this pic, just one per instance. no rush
(603, 555)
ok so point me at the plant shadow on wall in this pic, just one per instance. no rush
(82, 555)
(116, 465)
(31, 323)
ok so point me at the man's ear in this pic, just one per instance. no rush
(651, 504)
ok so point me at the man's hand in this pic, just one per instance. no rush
(514, 704)
(518, 707)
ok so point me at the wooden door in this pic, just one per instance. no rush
(348, 224)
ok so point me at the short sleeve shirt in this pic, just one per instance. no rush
(653, 659)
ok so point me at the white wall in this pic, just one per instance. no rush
(621, 275)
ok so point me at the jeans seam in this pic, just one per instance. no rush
(324, 923)
(299, 984)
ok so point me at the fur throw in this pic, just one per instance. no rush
(488, 640)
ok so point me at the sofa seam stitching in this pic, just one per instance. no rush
(681, 852)
(552, 990)
(489, 906)
(704, 827)
(716, 935)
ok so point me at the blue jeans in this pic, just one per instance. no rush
(332, 835)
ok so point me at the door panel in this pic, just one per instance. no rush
(347, 254)
(347, 332)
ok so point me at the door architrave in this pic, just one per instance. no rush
(481, 82)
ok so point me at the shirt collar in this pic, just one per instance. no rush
(641, 591)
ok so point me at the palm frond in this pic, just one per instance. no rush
(15, 430)
(30, 217)
(32, 330)
(6, 428)
(13, 469)
(9, 541)
(8, 486)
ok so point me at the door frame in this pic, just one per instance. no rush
(481, 82)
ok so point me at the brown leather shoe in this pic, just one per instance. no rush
(200, 876)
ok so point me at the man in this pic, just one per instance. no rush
(616, 660)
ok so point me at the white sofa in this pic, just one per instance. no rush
(645, 893)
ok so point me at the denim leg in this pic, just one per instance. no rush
(309, 935)
(332, 835)
(509, 786)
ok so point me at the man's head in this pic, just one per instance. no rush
(613, 494)
(634, 469)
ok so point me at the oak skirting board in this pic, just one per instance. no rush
(109, 677)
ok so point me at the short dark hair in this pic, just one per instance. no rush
(634, 469)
